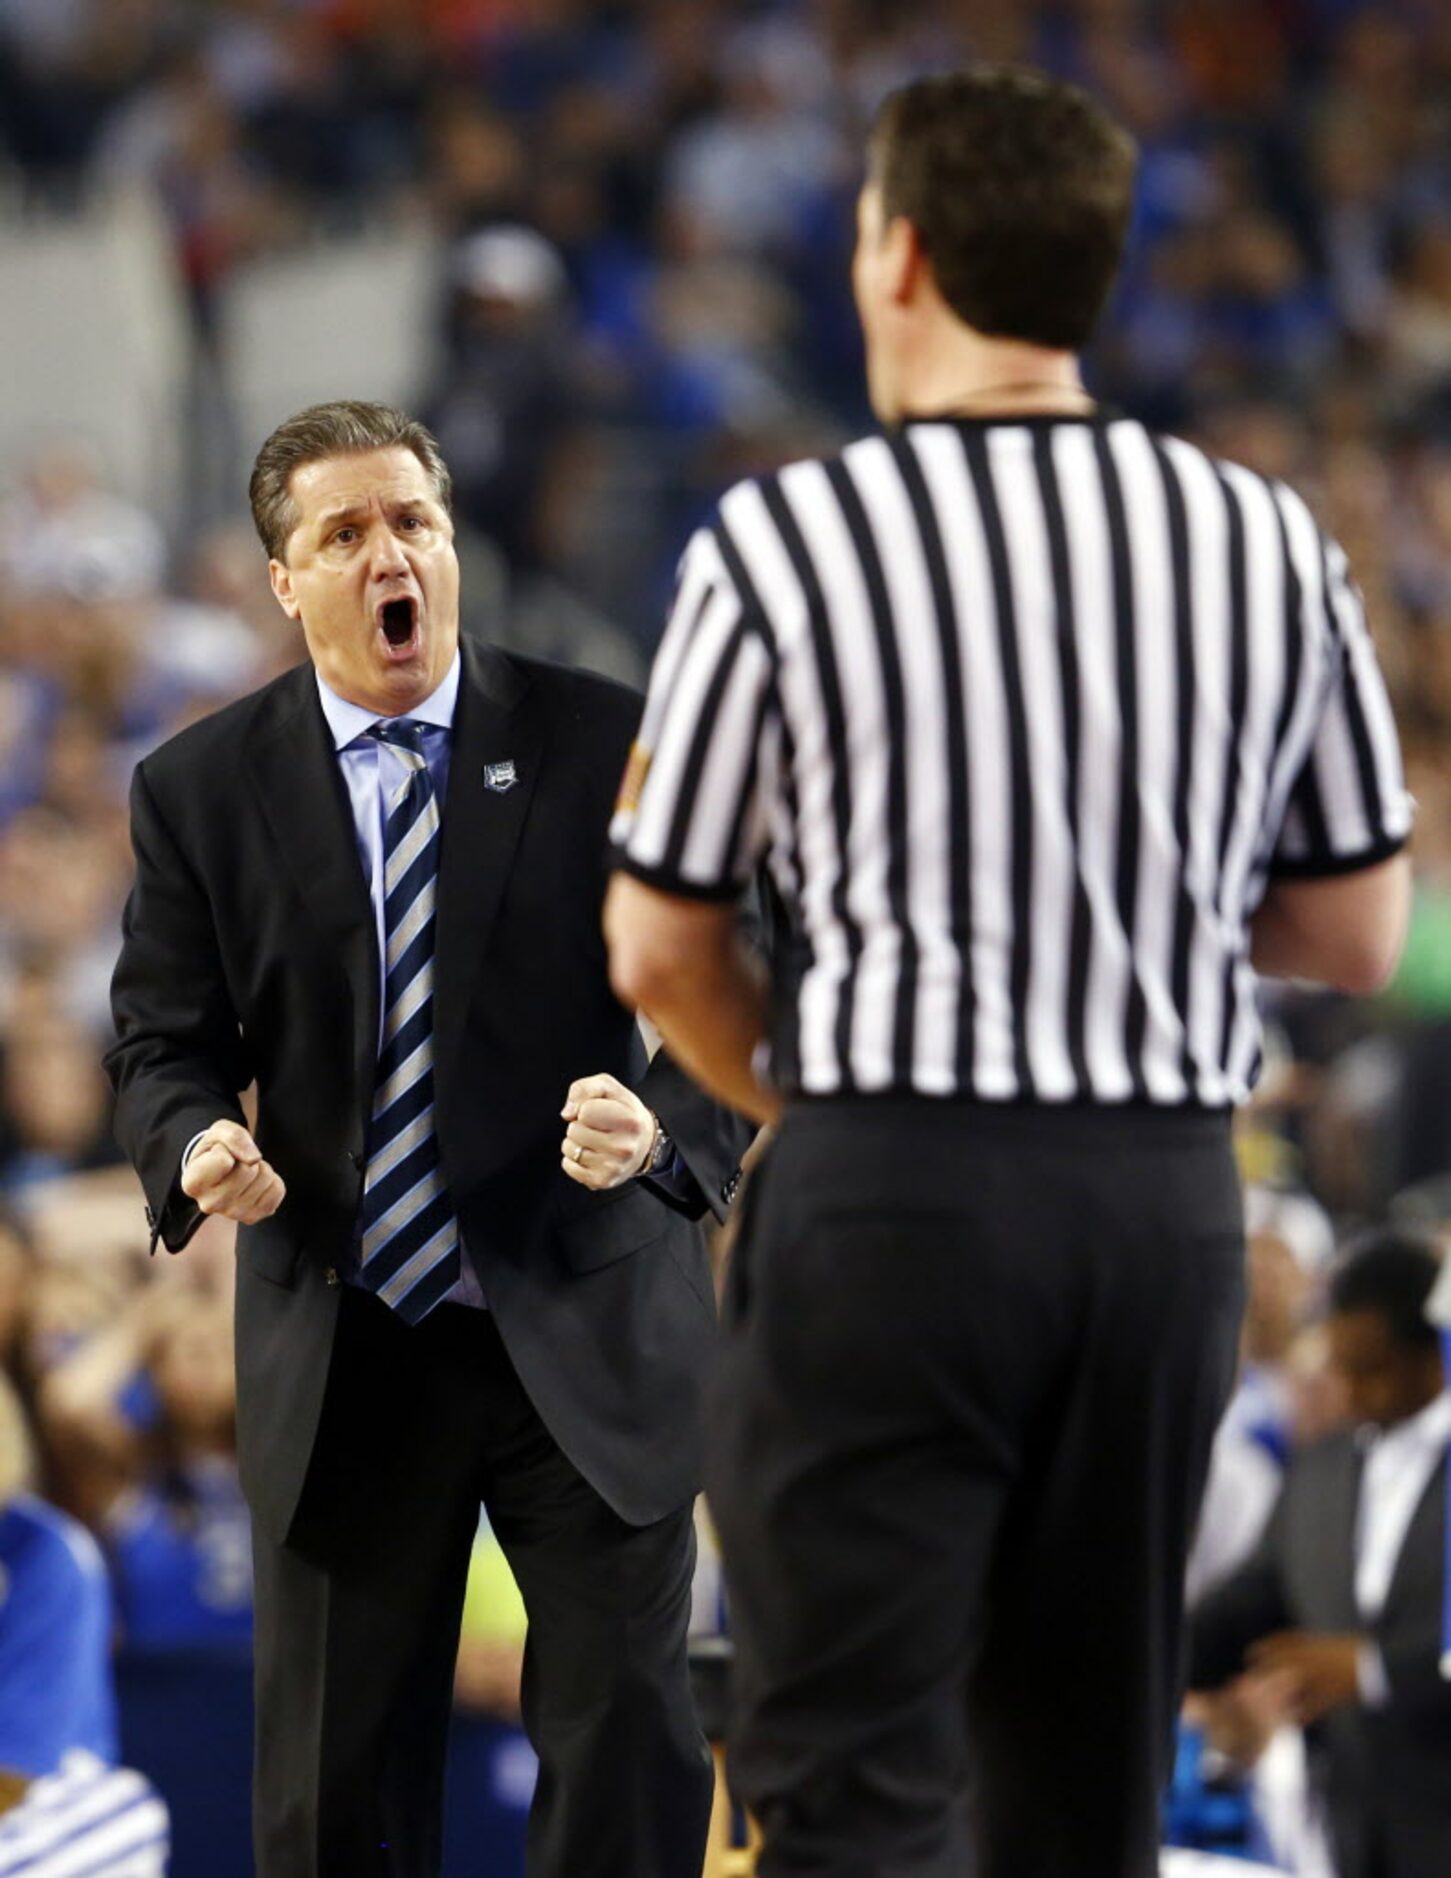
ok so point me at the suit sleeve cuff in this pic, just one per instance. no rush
(676, 1179)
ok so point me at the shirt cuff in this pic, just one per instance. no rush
(1324, 866)
(1371, 1678)
(187, 1151)
(675, 1177)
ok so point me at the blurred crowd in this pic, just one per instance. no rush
(646, 210)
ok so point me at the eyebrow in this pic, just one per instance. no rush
(344, 511)
(347, 511)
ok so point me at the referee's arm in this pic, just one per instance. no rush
(1346, 930)
(689, 831)
(686, 965)
(1338, 899)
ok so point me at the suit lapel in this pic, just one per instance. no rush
(305, 802)
(1425, 1535)
(495, 731)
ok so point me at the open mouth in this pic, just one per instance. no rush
(398, 622)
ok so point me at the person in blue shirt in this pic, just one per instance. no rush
(145, 1411)
(55, 1623)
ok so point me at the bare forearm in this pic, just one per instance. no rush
(79, 1408)
(693, 976)
(1345, 931)
(712, 1024)
(1278, 948)
(83, 1388)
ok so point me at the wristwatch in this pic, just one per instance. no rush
(662, 1151)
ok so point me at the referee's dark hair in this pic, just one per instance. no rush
(1390, 1275)
(1019, 188)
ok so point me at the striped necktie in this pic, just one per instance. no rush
(410, 1250)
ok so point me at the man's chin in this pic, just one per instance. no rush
(390, 689)
(392, 681)
(405, 686)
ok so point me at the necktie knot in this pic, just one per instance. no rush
(403, 733)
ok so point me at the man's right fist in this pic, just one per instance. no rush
(225, 1174)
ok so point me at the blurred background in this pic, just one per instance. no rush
(603, 250)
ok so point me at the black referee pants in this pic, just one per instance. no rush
(974, 1363)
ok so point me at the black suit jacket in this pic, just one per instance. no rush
(250, 955)
(1386, 1772)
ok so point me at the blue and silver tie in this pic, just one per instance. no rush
(410, 1249)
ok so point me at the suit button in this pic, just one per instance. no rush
(358, 1160)
(331, 1274)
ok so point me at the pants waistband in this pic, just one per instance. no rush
(1117, 1120)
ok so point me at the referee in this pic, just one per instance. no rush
(1050, 733)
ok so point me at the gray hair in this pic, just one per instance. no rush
(346, 427)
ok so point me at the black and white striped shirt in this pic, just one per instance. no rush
(1021, 714)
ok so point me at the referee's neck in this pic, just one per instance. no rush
(953, 371)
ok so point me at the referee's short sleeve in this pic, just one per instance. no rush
(1348, 807)
(692, 812)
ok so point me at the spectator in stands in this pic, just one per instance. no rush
(16, 1268)
(55, 1619)
(1289, 1243)
(1343, 1598)
(54, 1105)
(105, 1822)
(65, 1301)
(500, 412)
(144, 1412)
(64, 531)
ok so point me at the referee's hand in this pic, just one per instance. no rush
(225, 1174)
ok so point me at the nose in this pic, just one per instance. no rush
(385, 555)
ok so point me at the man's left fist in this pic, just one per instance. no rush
(610, 1133)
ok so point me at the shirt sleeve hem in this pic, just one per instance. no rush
(667, 880)
(1327, 866)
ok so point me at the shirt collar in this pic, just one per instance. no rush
(1433, 1423)
(347, 721)
(1428, 1428)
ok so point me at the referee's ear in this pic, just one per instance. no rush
(907, 269)
(890, 262)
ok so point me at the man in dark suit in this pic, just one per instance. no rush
(372, 890)
(1343, 1598)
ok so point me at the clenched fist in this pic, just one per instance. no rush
(225, 1174)
(610, 1133)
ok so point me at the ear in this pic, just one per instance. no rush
(905, 261)
(280, 574)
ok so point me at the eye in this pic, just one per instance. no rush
(345, 535)
(414, 522)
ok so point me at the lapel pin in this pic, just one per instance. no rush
(500, 777)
